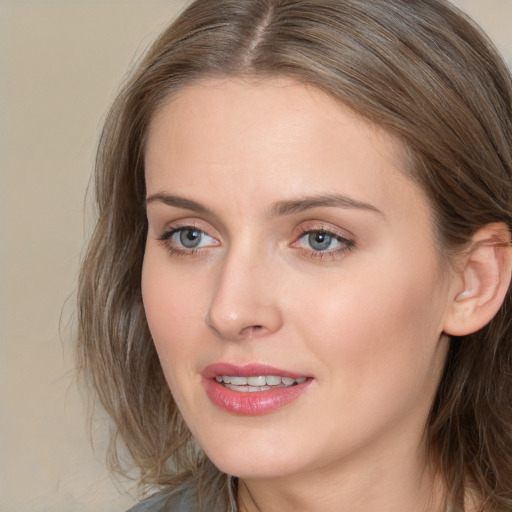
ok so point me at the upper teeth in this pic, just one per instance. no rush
(260, 380)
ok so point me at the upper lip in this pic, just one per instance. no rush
(247, 370)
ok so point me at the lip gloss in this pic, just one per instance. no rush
(251, 403)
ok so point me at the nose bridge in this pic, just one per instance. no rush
(244, 303)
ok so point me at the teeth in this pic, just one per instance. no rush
(257, 383)
(238, 381)
(247, 389)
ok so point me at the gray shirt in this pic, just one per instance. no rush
(182, 499)
(179, 500)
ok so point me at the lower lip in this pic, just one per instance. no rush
(253, 403)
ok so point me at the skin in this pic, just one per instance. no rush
(363, 319)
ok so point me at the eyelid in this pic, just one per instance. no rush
(175, 227)
(316, 226)
(346, 239)
(188, 223)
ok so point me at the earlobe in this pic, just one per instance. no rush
(485, 277)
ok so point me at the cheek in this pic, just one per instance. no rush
(173, 312)
(383, 326)
(171, 304)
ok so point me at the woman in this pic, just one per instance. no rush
(296, 296)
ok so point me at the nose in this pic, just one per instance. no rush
(245, 301)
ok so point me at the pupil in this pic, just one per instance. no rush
(320, 241)
(190, 238)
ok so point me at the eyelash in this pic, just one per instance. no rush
(166, 237)
(346, 244)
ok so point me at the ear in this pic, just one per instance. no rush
(484, 280)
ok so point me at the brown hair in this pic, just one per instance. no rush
(420, 69)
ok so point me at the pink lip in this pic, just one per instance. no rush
(250, 403)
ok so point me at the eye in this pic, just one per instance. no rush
(322, 242)
(186, 240)
(190, 238)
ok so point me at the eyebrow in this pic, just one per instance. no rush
(178, 202)
(279, 208)
(330, 200)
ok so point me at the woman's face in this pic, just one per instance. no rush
(290, 258)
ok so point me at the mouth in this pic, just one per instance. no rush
(253, 389)
(257, 383)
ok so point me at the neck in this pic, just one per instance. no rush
(399, 484)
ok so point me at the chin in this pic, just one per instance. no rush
(252, 469)
(255, 460)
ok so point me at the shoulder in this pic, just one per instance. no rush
(178, 500)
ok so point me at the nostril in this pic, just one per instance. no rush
(252, 331)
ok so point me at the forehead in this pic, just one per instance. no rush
(244, 103)
(275, 138)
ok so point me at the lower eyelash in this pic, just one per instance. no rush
(347, 246)
(178, 252)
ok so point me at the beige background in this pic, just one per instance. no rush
(60, 65)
